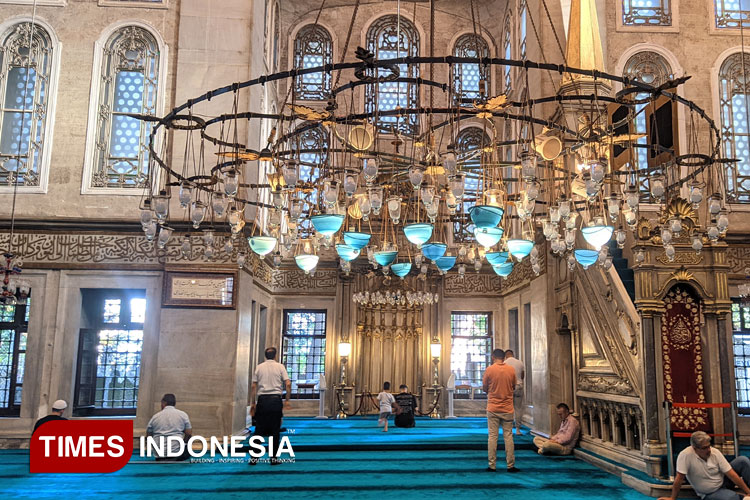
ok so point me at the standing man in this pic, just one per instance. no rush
(498, 382)
(269, 380)
(517, 365)
(171, 422)
(712, 477)
(58, 408)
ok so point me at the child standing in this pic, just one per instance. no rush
(387, 402)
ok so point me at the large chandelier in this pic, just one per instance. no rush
(410, 199)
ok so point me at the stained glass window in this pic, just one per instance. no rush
(741, 345)
(389, 38)
(303, 350)
(14, 324)
(734, 102)
(730, 13)
(25, 76)
(646, 13)
(109, 352)
(469, 145)
(471, 347)
(128, 84)
(468, 76)
(507, 53)
(312, 48)
(311, 146)
(652, 69)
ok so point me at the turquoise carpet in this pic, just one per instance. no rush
(331, 463)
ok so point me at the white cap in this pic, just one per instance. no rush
(60, 404)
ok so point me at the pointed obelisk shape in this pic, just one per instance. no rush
(584, 49)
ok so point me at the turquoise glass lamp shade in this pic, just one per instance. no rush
(306, 261)
(262, 245)
(520, 248)
(486, 216)
(586, 257)
(445, 263)
(496, 258)
(401, 269)
(488, 236)
(419, 233)
(434, 251)
(347, 252)
(327, 224)
(503, 269)
(356, 240)
(385, 257)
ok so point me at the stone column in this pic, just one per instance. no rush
(725, 366)
(650, 376)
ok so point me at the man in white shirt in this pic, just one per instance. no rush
(712, 477)
(517, 365)
(171, 422)
(269, 380)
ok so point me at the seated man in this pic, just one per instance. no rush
(408, 404)
(566, 438)
(712, 477)
(171, 422)
(58, 408)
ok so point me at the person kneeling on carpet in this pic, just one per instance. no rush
(566, 438)
(408, 404)
(387, 403)
(171, 422)
(712, 477)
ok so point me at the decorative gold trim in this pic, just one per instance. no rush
(682, 275)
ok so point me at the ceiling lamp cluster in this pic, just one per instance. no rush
(374, 189)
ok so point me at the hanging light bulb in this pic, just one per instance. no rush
(477, 265)
(241, 259)
(640, 256)
(208, 237)
(331, 192)
(147, 217)
(449, 163)
(350, 185)
(365, 207)
(564, 208)
(613, 206)
(697, 243)
(185, 246)
(161, 206)
(150, 230)
(675, 225)
(620, 237)
(528, 166)
(416, 174)
(186, 194)
(722, 222)
(278, 199)
(427, 193)
(714, 206)
(592, 188)
(219, 204)
(376, 199)
(231, 183)
(571, 262)
(295, 209)
(457, 186)
(669, 252)
(370, 169)
(532, 191)
(632, 199)
(554, 215)
(713, 233)
(597, 171)
(394, 208)
(657, 188)
(570, 239)
(197, 213)
(290, 172)
(666, 236)
(696, 196)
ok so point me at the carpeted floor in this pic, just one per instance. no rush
(341, 459)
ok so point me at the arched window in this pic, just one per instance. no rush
(507, 53)
(470, 143)
(734, 101)
(128, 82)
(729, 13)
(312, 47)
(523, 8)
(646, 13)
(388, 38)
(467, 77)
(653, 69)
(26, 77)
(311, 146)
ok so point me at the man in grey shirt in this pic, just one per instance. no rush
(269, 381)
(171, 422)
(517, 365)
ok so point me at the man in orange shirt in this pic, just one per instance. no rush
(498, 383)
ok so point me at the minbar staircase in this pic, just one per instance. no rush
(627, 276)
